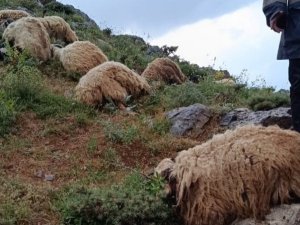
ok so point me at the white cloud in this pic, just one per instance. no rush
(239, 40)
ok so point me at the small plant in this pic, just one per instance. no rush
(118, 134)
(81, 119)
(7, 113)
(161, 126)
(92, 145)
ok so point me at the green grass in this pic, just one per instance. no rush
(7, 113)
(117, 133)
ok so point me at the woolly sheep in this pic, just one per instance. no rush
(30, 34)
(80, 56)
(110, 81)
(226, 81)
(238, 174)
(59, 29)
(164, 69)
(12, 15)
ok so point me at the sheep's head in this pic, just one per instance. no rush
(164, 169)
(56, 51)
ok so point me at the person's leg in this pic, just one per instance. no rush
(294, 78)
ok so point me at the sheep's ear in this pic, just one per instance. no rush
(58, 45)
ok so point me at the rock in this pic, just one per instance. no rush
(154, 50)
(188, 120)
(49, 177)
(279, 116)
(39, 174)
(281, 215)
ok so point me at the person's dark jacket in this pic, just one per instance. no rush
(289, 47)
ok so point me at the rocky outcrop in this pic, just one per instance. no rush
(279, 116)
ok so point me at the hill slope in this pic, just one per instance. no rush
(56, 153)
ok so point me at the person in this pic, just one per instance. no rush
(283, 16)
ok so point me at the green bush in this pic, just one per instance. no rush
(136, 202)
(129, 50)
(59, 7)
(194, 72)
(23, 84)
(266, 99)
(7, 113)
(178, 96)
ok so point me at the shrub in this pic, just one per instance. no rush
(194, 72)
(266, 99)
(59, 7)
(23, 80)
(23, 84)
(136, 202)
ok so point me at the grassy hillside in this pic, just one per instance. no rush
(64, 162)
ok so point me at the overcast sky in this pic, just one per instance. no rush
(229, 35)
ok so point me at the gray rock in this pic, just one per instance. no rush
(188, 120)
(280, 116)
(281, 215)
(49, 177)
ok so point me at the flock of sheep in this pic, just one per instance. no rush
(239, 174)
(102, 80)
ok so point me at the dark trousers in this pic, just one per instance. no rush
(294, 78)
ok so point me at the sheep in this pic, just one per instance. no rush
(12, 15)
(164, 69)
(30, 34)
(59, 29)
(238, 174)
(110, 81)
(80, 56)
(226, 81)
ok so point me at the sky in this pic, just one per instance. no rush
(228, 35)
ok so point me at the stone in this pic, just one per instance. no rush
(49, 177)
(280, 215)
(242, 116)
(188, 120)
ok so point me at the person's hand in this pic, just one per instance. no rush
(274, 22)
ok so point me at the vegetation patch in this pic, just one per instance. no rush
(137, 201)
(7, 113)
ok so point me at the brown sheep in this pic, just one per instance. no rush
(59, 29)
(110, 81)
(30, 34)
(10, 14)
(164, 69)
(239, 174)
(80, 56)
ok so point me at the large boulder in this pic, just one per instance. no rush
(279, 116)
(188, 120)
